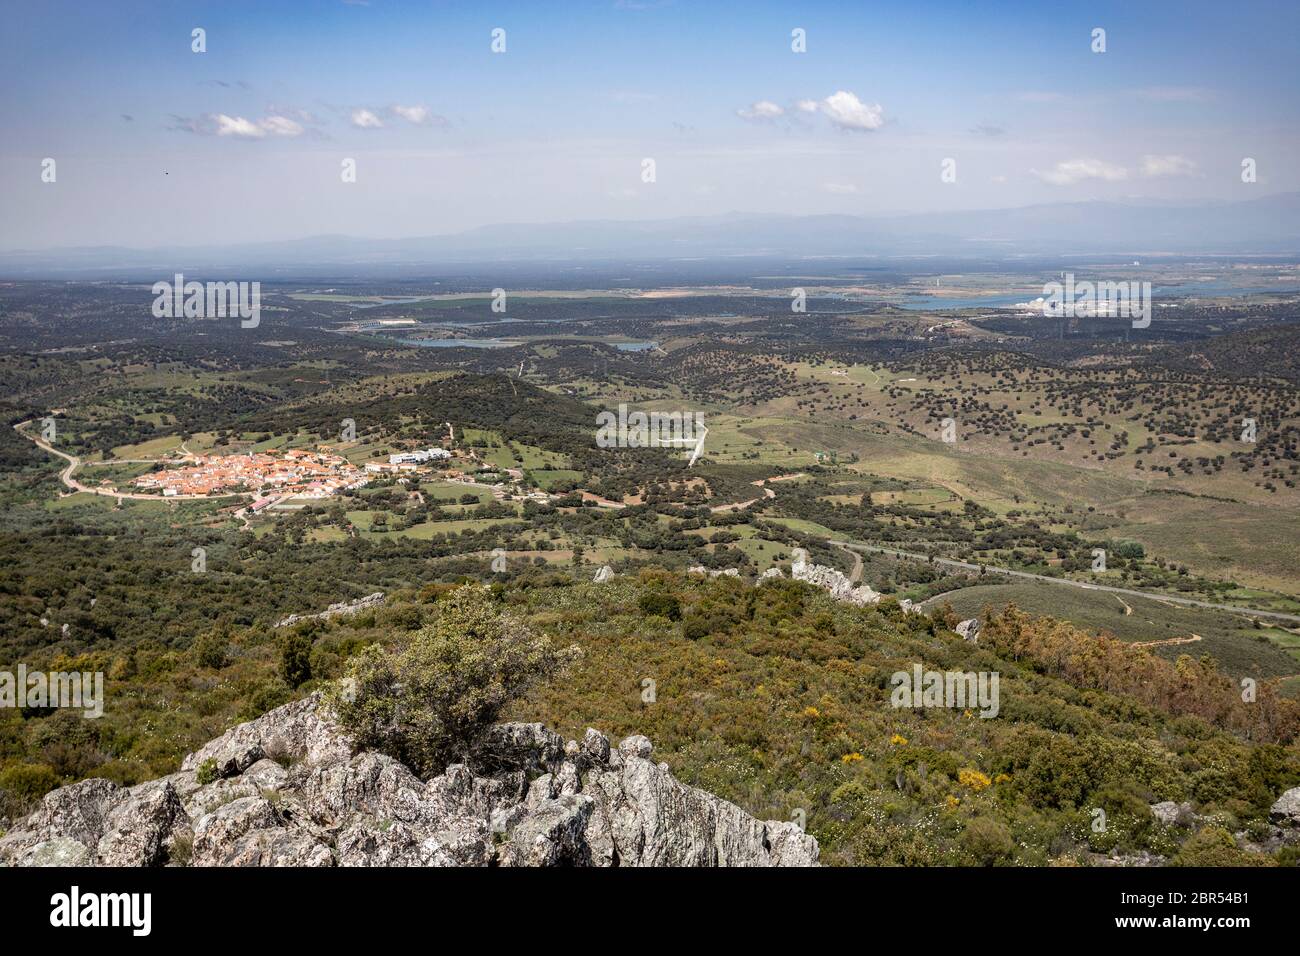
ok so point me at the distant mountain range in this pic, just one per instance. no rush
(1266, 226)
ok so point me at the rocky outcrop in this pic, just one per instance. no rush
(335, 610)
(605, 573)
(1141, 859)
(832, 580)
(969, 630)
(1172, 814)
(714, 572)
(1285, 812)
(288, 789)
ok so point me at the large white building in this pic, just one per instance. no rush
(419, 457)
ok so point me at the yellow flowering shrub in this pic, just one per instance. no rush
(973, 779)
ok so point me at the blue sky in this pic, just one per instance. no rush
(158, 145)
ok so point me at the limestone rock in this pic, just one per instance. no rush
(336, 610)
(1285, 812)
(61, 851)
(1171, 814)
(831, 580)
(525, 798)
(137, 830)
(635, 746)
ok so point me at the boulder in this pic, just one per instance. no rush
(61, 851)
(1285, 812)
(831, 580)
(524, 798)
(1171, 814)
(139, 828)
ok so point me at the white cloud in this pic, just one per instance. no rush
(1167, 166)
(242, 128)
(364, 119)
(842, 108)
(1071, 171)
(762, 110)
(846, 111)
(237, 126)
(281, 126)
(840, 189)
(419, 115)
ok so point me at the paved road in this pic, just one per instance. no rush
(74, 463)
(1067, 582)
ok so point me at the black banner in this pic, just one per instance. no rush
(341, 905)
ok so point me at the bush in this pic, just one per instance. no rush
(428, 702)
(206, 773)
(210, 650)
(660, 604)
(988, 841)
(21, 785)
(1214, 846)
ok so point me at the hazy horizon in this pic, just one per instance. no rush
(940, 109)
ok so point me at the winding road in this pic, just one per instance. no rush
(1068, 582)
(74, 463)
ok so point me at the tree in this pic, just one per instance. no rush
(428, 702)
(295, 658)
(210, 649)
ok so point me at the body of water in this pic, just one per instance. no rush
(460, 343)
(1184, 290)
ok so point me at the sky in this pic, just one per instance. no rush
(892, 108)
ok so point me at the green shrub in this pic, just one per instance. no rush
(1214, 846)
(181, 850)
(427, 702)
(660, 604)
(21, 785)
(988, 841)
(206, 773)
(210, 650)
(295, 659)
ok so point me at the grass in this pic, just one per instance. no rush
(1240, 648)
(549, 477)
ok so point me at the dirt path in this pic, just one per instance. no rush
(855, 575)
(761, 483)
(1168, 642)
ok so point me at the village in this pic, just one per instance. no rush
(292, 477)
(307, 474)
